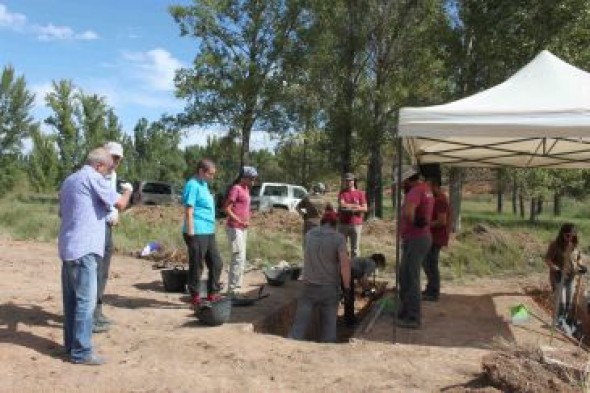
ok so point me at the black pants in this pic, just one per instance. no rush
(349, 317)
(102, 270)
(430, 266)
(202, 248)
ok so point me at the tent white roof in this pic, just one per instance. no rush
(539, 117)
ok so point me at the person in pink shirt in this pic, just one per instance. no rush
(237, 208)
(352, 204)
(416, 242)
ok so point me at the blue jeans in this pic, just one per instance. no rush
(326, 297)
(78, 282)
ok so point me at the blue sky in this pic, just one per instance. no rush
(124, 50)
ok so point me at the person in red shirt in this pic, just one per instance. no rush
(439, 228)
(237, 208)
(416, 242)
(352, 203)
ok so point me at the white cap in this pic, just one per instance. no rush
(114, 149)
(407, 171)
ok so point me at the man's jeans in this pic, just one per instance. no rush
(430, 266)
(327, 298)
(237, 240)
(352, 232)
(78, 280)
(102, 272)
(413, 253)
(202, 248)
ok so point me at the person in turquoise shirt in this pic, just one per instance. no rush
(199, 233)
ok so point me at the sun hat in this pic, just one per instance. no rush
(407, 172)
(114, 149)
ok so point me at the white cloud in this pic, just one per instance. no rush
(40, 91)
(11, 20)
(49, 32)
(155, 67)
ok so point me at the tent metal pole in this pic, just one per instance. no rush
(398, 214)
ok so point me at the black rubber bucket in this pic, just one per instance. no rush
(276, 277)
(214, 313)
(295, 272)
(174, 279)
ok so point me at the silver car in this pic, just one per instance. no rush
(155, 193)
(266, 196)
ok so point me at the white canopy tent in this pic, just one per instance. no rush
(540, 117)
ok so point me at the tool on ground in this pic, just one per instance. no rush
(246, 301)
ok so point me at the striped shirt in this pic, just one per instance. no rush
(85, 199)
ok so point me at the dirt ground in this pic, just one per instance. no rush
(158, 346)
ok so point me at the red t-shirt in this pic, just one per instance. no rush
(351, 196)
(239, 196)
(420, 196)
(440, 235)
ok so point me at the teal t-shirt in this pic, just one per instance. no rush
(196, 194)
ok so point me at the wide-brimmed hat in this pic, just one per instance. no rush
(407, 172)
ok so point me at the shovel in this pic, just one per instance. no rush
(244, 301)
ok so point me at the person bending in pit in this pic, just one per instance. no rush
(563, 259)
(360, 271)
(326, 266)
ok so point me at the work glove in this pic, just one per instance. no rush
(127, 187)
(369, 292)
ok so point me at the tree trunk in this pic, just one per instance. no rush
(539, 206)
(375, 183)
(521, 204)
(533, 209)
(455, 188)
(500, 191)
(514, 197)
(557, 204)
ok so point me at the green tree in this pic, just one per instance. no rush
(43, 162)
(16, 124)
(91, 112)
(62, 101)
(236, 78)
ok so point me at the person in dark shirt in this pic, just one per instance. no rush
(360, 271)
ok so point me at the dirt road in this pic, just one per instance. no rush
(157, 346)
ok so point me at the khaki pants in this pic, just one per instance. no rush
(237, 240)
(354, 233)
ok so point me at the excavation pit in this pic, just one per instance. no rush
(279, 321)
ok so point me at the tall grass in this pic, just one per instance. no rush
(35, 218)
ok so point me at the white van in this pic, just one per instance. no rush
(266, 196)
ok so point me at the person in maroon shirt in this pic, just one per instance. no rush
(439, 228)
(416, 242)
(352, 203)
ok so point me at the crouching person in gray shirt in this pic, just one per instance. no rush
(326, 264)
